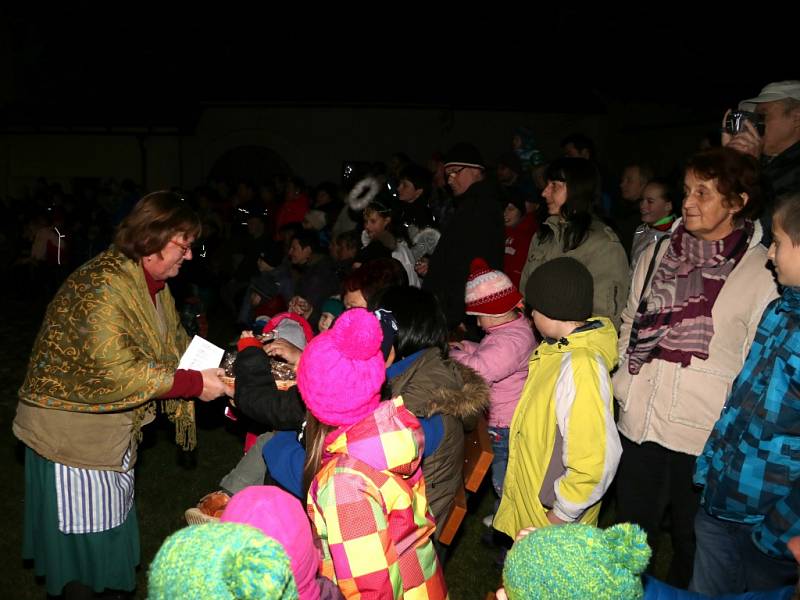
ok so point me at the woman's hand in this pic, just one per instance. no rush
(213, 386)
(285, 350)
(247, 333)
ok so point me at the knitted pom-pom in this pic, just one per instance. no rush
(357, 334)
(478, 265)
(629, 546)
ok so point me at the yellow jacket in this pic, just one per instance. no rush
(563, 444)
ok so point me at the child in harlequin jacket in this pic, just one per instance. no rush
(750, 466)
(365, 490)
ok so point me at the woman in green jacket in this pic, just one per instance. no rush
(572, 229)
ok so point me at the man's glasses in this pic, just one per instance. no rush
(453, 172)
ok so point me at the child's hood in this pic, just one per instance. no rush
(598, 335)
(390, 439)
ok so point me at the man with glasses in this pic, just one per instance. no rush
(475, 230)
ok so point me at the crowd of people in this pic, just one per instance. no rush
(639, 346)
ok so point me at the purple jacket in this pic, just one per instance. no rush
(502, 360)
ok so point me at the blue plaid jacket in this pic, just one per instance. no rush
(750, 466)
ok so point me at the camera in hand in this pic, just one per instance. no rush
(734, 123)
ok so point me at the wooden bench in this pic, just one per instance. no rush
(477, 460)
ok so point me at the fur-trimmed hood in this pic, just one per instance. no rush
(433, 385)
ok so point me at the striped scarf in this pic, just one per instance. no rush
(673, 321)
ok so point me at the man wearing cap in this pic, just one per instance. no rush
(475, 229)
(779, 148)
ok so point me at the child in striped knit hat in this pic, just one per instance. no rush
(501, 357)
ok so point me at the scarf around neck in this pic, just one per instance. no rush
(673, 321)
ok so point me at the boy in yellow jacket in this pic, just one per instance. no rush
(564, 446)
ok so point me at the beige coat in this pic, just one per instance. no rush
(677, 407)
(601, 253)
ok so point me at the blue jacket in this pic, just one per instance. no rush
(657, 590)
(750, 466)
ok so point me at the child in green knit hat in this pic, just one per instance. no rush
(220, 561)
(577, 561)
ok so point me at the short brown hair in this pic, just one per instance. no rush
(153, 222)
(787, 216)
(736, 173)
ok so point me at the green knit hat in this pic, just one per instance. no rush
(578, 561)
(220, 560)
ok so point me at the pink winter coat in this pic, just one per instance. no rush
(502, 360)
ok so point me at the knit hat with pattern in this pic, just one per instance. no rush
(489, 293)
(577, 561)
(220, 560)
(562, 289)
(341, 371)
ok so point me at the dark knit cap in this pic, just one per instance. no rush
(464, 154)
(561, 289)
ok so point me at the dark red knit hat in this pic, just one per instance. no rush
(489, 293)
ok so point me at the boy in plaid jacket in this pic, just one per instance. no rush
(750, 466)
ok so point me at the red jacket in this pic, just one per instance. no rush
(518, 239)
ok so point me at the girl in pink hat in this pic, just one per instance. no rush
(365, 490)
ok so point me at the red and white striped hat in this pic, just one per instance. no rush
(490, 293)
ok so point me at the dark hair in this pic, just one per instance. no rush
(420, 321)
(420, 178)
(583, 191)
(373, 277)
(787, 216)
(351, 239)
(580, 141)
(669, 192)
(308, 238)
(736, 173)
(329, 188)
(646, 172)
(153, 222)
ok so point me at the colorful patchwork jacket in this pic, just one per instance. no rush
(368, 506)
(750, 466)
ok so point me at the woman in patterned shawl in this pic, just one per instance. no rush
(106, 355)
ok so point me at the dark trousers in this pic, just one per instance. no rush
(728, 562)
(652, 480)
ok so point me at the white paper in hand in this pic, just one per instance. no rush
(201, 354)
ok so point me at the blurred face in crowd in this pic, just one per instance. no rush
(781, 126)
(460, 178)
(375, 223)
(632, 184)
(706, 213)
(505, 175)
(406, 191)
(297, 254)
(572, 152)
(555, 195)
(167, 263)
(653, 207)
(511, 215)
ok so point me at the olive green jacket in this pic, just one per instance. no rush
(601, 253)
